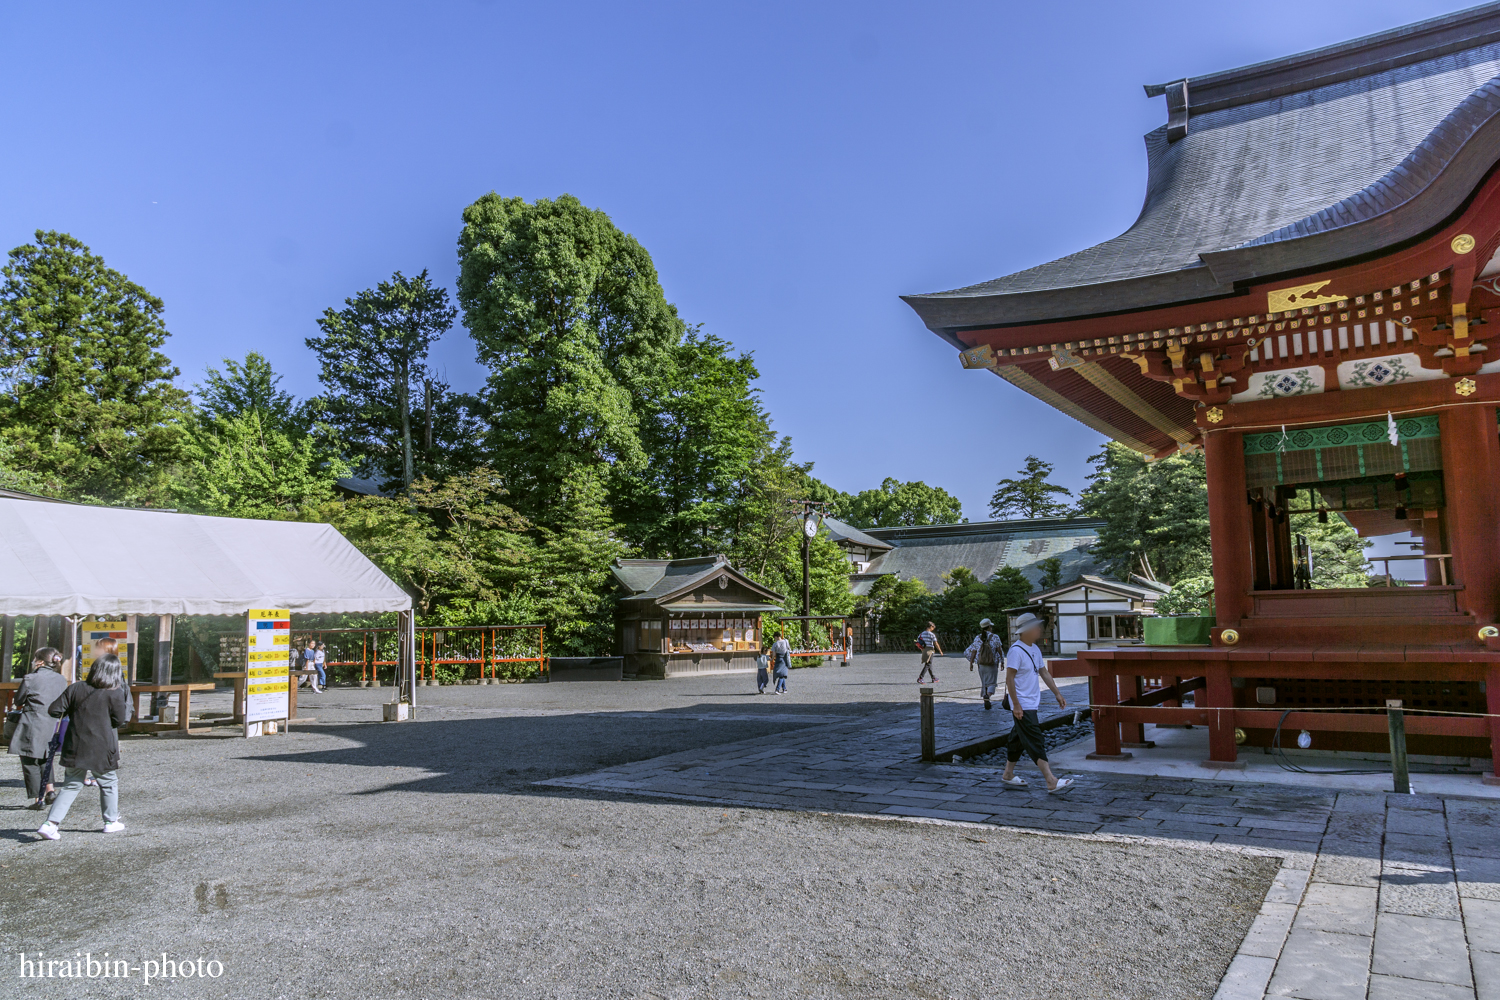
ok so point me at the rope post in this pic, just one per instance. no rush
(929, 734)
(1397, 721)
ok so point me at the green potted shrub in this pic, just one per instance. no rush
(1182, 616)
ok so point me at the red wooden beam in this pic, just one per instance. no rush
(1328, 722)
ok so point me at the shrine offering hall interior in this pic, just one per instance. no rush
(1311, 295)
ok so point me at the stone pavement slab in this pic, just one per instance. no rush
(1319, 965)
(1421, 948)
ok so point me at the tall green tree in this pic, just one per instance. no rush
(895, 504)
(1030, 494)
(569, 317)
(1338, 553)
(1155, 513)
(396, 418)
(86, 396)
(702, 429)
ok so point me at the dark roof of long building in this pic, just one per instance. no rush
(1281, 166)
(930, 552)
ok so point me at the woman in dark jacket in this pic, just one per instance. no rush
(95, 709)
(38, 689)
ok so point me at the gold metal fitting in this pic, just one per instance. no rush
(1462, 243)
(1489, 632)
(1239, 737)
(1214, 414)
(1229, 637)
(1465, 386)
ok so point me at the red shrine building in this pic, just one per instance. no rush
(1316, 260)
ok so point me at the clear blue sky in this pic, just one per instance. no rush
(792, 168)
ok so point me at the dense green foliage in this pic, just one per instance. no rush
(1155, 513)
(1192, 595)
(1030, 495)
(1338, 553)
(87, 403)
(895, 504)
(903, 607)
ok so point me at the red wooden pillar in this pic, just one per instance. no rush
(1104, 692)
(1222, 751)
(1492, 696)
(1471, 463)
(1133, 734)
(1433, 544)
(1228, 525)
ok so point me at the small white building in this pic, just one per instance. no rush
(1091, 612)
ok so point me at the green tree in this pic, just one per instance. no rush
(245, 466)
(568, 315)
(86, 396)
(1008, 589)
(1192, 595)
(896, 504)
(1155, 513)
(1338, 553)
(703, 429)
(1051, 573)
(395, 417)
(1031, 495)
(248, 387)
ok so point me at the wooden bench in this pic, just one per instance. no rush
(184, 694)
(238, 676)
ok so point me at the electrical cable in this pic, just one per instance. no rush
(1285, 763)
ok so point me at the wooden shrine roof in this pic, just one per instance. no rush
(1283, 166)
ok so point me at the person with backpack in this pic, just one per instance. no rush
(781, 653)
(95, 709)
(988, 651)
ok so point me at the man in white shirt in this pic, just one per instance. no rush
(1025, 671)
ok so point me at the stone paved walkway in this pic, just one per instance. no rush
(1380, 896)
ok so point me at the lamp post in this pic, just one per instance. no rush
(812, 513)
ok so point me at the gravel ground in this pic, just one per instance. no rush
(355, 859)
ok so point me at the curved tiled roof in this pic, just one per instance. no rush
(1316, 172)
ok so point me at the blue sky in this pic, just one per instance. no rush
(792, 168)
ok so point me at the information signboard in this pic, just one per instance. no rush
(122, 630)
(268, 667)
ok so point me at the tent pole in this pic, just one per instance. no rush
(70, 647)
(7, 645)
(406, 621)
(163, 672)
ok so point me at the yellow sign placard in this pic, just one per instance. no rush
(268, 643)
(264, 613)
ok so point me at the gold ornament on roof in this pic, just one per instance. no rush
(1462, 243)
(1465, 386)
(1214, 414)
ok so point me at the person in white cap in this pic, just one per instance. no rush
(988, 649)
(1025, 669)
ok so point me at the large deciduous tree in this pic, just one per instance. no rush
(396, 418)
(895, 504)
(1155, 513)
(86, 397)
(569, 317)
(1030, 494)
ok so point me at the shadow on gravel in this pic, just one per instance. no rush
(505, 755)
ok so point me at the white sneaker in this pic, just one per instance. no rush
(115, 827)
(49, 830)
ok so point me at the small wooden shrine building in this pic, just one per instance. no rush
(1310, 294)
(688, 616)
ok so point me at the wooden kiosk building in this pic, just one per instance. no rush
(1311, 294)
(688, 616)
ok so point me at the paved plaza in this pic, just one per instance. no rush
(690, 838)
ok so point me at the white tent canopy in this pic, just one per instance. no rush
(73, 559)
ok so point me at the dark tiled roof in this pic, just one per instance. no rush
(1283, 165)
(651, 579)
(928, 553)
(841, 532)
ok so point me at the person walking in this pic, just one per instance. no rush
(781, 653)
(762, 667)
(927, 641)
(1025, 671)
(988, 651)
(35, 728)
(95, 709)
(848, 645)
(320, 656)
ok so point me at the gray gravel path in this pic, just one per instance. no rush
(355, 859)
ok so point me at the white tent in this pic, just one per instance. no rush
(73, 559)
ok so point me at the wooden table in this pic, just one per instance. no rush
(238, 676)
(184, 694)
